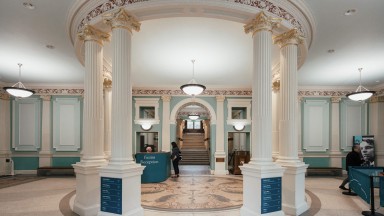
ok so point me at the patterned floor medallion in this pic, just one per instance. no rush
(196, 193)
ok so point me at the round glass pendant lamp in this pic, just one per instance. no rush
(193, 116)
(18, 90)
(192, 88)
(361, 93)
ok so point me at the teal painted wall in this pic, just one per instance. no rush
(64, 161)
(26, 163)
(317, 162)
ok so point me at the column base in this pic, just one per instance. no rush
(129, 176)
(87, 200)
(220, 164)
(254, 189)
(294, 201)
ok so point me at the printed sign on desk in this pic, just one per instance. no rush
(270, 195)
(111, 198)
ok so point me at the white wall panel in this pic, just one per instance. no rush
(26, 118)
(353, 122)
(66, 124)
(316, 125)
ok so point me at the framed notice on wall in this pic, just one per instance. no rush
(367, 148)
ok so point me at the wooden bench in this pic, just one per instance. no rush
(55, 171)
(324, 171)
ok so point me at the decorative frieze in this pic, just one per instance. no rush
(59, 91)
(261, 22)
(4, 95)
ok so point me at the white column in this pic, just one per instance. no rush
(107, 117)
(166, 135)
(376, 127)
(261, 171)
(87, 201)
(45, 154)
(5, 132)
(220, 155)
(243, 142)
(275, 118)
(294, 202)
(335, 153)
(122, 167)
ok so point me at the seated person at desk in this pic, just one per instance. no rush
(149, 149)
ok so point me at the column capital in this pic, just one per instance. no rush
(90, 33)
(335, 99)
(300, 99)
(220, 98)
(166, 98)
(261, 22)
(292, 37)
(276, 86)
(45, 97)
(107, 83)
(4, 96)
(376, 99)
(121, 19)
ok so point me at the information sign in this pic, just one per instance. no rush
(270, 195)
(111, 199)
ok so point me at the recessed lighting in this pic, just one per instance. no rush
(377, 81)
(350, 12)
(49, 46)
(331, 51)
(28, 5)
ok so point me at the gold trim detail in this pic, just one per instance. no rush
(276, 86)
(90, 33)
(107, 83)
(291, 37)
(45, 97)
(261, 22)
(166, 98)
(121, 19)
(335, 99)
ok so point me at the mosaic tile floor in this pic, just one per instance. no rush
(197, 193)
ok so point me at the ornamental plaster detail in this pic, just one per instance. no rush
(121, 19)
(4, 95)
(90, 33)
(292, 37)
(107, 84)
(335, 99)
(261, 22)
(59, 91)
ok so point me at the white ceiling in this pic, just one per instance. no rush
(163, 49)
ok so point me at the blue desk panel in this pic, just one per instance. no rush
(270, 195)
(157, 166)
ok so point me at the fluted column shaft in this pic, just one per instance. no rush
(93, 111)
(288, 130)
(107, 117)
(275, 119)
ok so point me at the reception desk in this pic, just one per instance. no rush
(157, 166)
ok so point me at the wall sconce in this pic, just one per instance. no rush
(146, 126)
(239, 127)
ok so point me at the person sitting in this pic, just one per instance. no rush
(149, 149)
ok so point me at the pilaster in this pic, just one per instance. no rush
(45, 154)
(294, 202)
(87, 201)
(121, 167)
(5, 132)
(275, 118)
(107, 117)
(220, 155)
(166, 134)
(335, 133)
(376, 126)
(261, 175)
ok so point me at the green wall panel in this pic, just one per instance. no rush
(26, 163)
(317, 162)
(64, 161)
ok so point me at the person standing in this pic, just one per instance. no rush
(353, 158)
(175, 156)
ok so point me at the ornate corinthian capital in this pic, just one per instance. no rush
(90, 33)
(121, 19)
(166, 98)
(261, 22)
(292, 36)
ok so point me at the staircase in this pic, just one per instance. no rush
(193, 150)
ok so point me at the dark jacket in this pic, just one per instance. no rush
(175, 153)
(353, 159)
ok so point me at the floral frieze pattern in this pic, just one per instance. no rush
(270, 7)
(59, 91)
(261, 4)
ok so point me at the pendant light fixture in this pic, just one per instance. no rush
(193, 116)
(192, 88)
(361, 92)
(18, 90)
